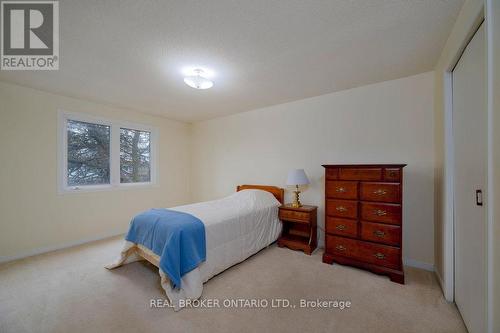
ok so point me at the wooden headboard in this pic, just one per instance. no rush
(278, 192)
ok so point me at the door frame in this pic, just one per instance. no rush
(474, 22)
(483, 184)
(449, 159)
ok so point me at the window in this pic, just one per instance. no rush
(135, 151)
(99, 154)
(88, 153)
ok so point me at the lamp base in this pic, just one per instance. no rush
(296, 202)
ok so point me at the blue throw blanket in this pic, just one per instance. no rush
(177, 238)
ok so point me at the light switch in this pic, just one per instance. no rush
(479, 197)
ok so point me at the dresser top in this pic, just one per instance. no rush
(364, 165)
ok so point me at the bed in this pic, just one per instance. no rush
(236, 227)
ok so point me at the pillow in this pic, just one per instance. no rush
(259, 198)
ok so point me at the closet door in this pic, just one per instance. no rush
(470, 172)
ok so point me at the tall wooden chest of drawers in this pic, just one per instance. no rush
(363, 217)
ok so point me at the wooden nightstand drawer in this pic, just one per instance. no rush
(291, 215)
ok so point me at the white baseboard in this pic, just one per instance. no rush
(441, 284)
(418, 264)
(41, 250)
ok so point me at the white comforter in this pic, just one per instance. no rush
(236, 227)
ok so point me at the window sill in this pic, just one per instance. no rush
(105, 188)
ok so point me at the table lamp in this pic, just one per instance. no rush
(295, 178)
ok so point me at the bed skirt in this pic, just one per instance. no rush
(192, 285)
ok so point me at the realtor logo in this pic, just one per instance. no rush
(30, 35)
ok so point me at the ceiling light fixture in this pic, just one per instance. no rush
(198, 80)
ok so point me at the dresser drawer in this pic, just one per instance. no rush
(341, 190)
(386, 213)
(332, 173)
(381, 233)
(342, 227)
(392, 174)
(360, 174)
(291, 215)
(381, 192)
(342, 208)
(377, 254)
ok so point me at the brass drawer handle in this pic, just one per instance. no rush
(340, 248)
(379, 255)
(341, 209)
(380, 192)
(379, 233)
(340, 189)
(340, 227)
(379, 212)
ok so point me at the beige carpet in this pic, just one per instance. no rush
(70, 291)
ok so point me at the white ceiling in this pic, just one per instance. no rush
(131, 53)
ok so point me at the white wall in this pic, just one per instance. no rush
(388, 122)
(33, 216)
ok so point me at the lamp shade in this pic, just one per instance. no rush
(297, 177)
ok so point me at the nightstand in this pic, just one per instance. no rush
(299, 227)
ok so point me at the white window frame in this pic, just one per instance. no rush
(114, 153)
